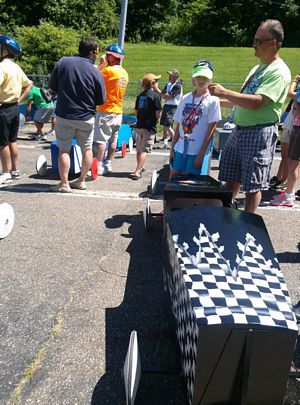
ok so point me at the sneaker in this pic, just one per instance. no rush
(50, 133)
(297, 193)
(59, 188)
(5, 178)
(34, 137)
(166, 144)
(108, 167)
(78, 185)
(43, 138)
(283, 200)
(100, 169)
(15, 174)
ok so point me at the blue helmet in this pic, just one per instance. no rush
(115, 50)
(11, 44)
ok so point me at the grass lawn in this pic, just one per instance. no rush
(231, 65)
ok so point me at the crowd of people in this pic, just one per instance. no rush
(90, 105)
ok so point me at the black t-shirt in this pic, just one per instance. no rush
(146, 104)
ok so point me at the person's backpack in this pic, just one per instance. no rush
(47, 96)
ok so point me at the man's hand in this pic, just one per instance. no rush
(103, 60)
(216, 89)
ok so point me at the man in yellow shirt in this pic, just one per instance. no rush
(109, 115)
(14, 87)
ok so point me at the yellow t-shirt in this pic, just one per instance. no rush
(12, 81)
(116, 80)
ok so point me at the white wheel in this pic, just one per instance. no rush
(130, 144)
(7, 219)
(41, 165)
(153, 182)
(146, 215)
(21, 120)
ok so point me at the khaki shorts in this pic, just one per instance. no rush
(145, 140)
(107, 126)
(66, 130)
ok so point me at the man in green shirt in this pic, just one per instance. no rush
(248, 154)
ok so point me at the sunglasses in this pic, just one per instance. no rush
(257, 41)
(206, 63)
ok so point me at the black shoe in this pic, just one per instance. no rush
(280, 185)
(274, 180)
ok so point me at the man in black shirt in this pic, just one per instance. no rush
(148, 110)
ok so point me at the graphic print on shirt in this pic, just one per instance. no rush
(191, 116)
(254, 83)
(142, 102)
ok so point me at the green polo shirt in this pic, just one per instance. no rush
(272, 81)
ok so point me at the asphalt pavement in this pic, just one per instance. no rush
(79, 273)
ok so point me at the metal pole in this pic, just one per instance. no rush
(122, 23)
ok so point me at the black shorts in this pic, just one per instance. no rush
(9, 123)
(294, 145)
(167, 115)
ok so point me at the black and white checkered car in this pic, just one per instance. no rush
(207, 290)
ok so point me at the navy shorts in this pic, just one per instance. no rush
(9, 123)
(167, 115)
(247, 157)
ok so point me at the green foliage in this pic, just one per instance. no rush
(231, 23)
(149, 20)
(44, 45)
(96, 16)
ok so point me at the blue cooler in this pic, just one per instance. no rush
(22, 110)
(75, 157)
(124, 135)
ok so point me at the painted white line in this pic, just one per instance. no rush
(116, 195)
(42, 145)
(28, 146)
(295, 208)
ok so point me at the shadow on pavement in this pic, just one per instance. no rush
(146, 309)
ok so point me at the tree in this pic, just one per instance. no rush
(231, 23)
(149, 20)
(44, 45)
(97, 17)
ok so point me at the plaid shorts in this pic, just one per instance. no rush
(247, 157)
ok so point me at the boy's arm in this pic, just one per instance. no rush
(28, 110)
(209, 134)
